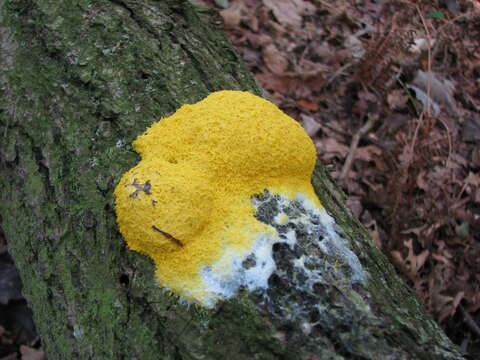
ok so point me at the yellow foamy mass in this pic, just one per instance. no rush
(189, 200)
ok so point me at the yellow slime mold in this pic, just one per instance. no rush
(187, 204)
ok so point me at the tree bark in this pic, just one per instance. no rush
(79, 81)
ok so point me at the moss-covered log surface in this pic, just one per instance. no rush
(79, 80)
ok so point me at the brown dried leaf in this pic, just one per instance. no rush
(360, 107)
(374, 233)
(398, 258)
(474, 303)
(397, 99)
(415, 262)
(473, 179)
(415, 230)
(10, 357)
(302, 85)
(29, 353)
(285, 12)
(331, 145)
(442, 259)
(274, 59)
(232, 15)
(354, 203)
(442, 304)
(395, 121)
(308, 104)
(456, 300)
(368, 153)
(422, 182)
(353, 187)
(289, 12)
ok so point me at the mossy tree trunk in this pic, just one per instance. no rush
(79, 80)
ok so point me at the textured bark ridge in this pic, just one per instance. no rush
(79, 81)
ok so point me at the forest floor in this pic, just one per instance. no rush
(390, 93)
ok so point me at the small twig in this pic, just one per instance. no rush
(429, 56)
(409, 95)
(441, 31)
(337, 73)
(415, 134)
(168, 236)
(453, 20)
(450, 142)
(429, 88)
(429, 59)
(354, 144)
(429, 80)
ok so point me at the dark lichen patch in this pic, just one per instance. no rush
(249, 262)
(267, 206)
(311, 293)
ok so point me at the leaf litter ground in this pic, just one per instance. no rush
(390, 93)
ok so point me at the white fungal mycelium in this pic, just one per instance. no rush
(291, 219)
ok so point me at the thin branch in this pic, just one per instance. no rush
(354, 144)
(429, 79)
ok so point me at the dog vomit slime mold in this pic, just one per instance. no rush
(188, 203)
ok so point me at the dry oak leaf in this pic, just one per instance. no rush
(274, 59)
(289, 12)
(233, 15)
(332, 145)
(300, 84)
(412, 263)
